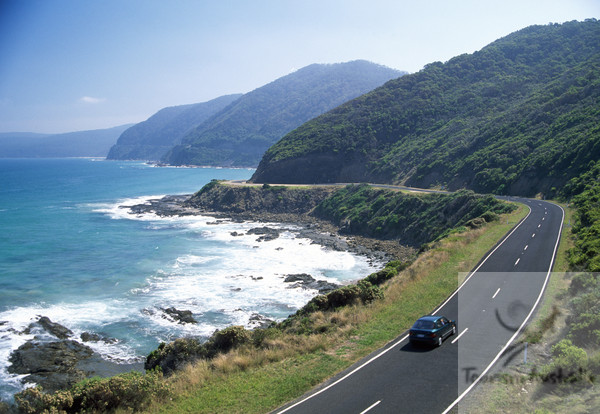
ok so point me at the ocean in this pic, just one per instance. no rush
(71, 252)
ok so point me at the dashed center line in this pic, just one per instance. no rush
(533, 235)
(539, 225)
(461, 334)
(371, 407)
(493, 297)
(517, 261)
(526, 247)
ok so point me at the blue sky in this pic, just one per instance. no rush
(68, 65)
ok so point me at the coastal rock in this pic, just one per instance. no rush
(53, 365)
(306, 281)
(45, 324)
(92, 337)
(171, 205)
(266, 233)
(180, 316)
(258, 321)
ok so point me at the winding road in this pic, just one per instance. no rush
(491, 307)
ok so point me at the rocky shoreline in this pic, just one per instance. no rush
(56, 359)
(318, 231)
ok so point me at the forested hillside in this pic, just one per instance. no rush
(153, 138)
(241, 133)
(521, 116)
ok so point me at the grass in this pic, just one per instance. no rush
(250, 380)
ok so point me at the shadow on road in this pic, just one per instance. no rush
(420, 348)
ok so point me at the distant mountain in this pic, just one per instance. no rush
(94, 143)
(153, 138)
(520, 116)
(239, 134)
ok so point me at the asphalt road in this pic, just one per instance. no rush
(491, 308)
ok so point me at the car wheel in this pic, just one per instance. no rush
(439, 341)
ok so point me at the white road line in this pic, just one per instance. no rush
(373, 406)
(539, 225)
(517, 262)
(543, 218)
(533, 235)
(494, 297)
(394, 345)
(482, 263)
(518, 332)
(526, 247)
(461, 334)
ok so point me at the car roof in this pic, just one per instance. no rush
(430, 318)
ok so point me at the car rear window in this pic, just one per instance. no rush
(423, 325)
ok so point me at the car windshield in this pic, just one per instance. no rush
(423, 325)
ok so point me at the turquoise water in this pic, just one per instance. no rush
(70, 251)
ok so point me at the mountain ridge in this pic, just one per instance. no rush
(151, 139)
(506, 119)
(242, 132)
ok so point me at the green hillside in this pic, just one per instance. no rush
(152, 138)
(241, 133)
(520, 116)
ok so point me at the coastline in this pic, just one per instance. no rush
(320, 231)
(32, 357)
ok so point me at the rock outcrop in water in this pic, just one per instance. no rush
(55, 360)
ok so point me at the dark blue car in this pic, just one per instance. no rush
(431, 330)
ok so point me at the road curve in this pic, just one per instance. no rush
(491, 307)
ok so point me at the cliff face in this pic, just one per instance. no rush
(259, 199)
(357, 210)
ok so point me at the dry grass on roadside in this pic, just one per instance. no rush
(351, 332)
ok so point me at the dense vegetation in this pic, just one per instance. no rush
(153, 138)
(520, 116)
(241, 133)
(410, 218)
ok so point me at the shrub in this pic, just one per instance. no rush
(586, 331)
(369, 292)
(131, 391)
(228, 338)
(171, 356)
(582, 282)
(389, 271)
(569, 365)
(346, 295)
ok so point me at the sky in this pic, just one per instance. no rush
(71, 65)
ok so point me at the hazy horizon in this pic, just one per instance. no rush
(72, 66)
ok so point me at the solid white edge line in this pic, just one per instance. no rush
(406, 336)
(461, 334)
(517, 333)
(482, 262)
(347, 375)
(371, 407)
